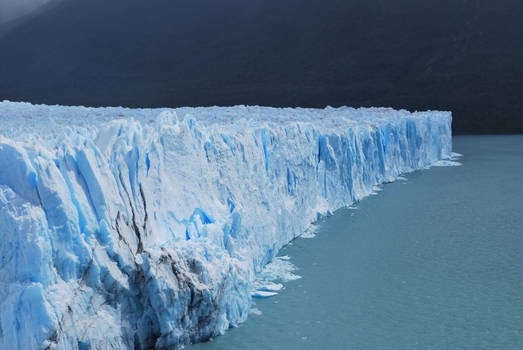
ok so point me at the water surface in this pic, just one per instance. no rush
(434, 262)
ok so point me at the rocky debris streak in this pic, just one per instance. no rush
(142, 229)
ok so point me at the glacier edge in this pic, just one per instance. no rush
(145, 228)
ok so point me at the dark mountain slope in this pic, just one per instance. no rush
(459, 55)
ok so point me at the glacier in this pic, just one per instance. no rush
(147, 228)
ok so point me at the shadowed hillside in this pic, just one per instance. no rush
(459, 55)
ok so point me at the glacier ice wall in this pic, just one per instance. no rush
(126, 228)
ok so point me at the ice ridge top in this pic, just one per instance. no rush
(146, 228)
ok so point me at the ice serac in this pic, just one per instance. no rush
(124, 228)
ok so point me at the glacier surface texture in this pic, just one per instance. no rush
(146, 228)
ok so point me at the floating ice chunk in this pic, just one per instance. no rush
(263, 294)
(264, 289)
(444, 163)
(310, 232)
(280, 269)
(375, 190)
(450, 161)
(255, 311)
(270, 287)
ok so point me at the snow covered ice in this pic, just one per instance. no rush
(137, 228)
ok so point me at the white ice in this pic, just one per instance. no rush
(135, 228)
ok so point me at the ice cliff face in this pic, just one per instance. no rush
(124, 228)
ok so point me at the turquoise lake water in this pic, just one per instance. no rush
(431, 262)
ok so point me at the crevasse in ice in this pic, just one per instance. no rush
(127, 228)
